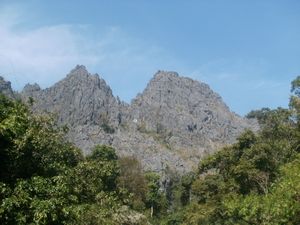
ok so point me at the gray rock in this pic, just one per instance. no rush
(187, 115)
(5, 88)
(170, 126)
(31, 88)
(79, 99)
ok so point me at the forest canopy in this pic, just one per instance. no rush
(44, 179)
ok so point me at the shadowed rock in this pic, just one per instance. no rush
(5, 88)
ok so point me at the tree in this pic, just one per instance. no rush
(153, 196)
(280, 206)
(103, 153)
(186, 188)
(261, 115)
(132, 179)
(34, 156)
(45, 180)
(31, 145)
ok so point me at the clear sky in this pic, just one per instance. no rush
(246, 50)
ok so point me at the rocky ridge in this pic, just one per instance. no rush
(5, 88)
(170, 126)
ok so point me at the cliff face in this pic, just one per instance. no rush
(5, 88)
(171, 125)
(79, 99)
(188, 109)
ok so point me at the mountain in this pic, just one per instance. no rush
(188, 109)
(170, 126)
(79, 99)
(5, 88)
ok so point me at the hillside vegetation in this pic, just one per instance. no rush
(46, 180)
(256, 180)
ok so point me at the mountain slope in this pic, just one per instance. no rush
(187, 108)
(5, 88)
(170, 126)
(80, 98)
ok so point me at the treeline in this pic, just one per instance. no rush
(255, 181)
(46, 180)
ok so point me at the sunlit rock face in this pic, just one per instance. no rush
(170, 126)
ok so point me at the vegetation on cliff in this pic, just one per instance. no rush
(46, 180)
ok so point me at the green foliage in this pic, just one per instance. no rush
(153, 196)
(295, 87)
(155, 199)
(134, 181)
(261, 115)
(45, 180)
(37, 200)
(31, 145)
(186, 188)
(176, 218)
(295, 99)
(103, 153)
(208, 188)
(254, 181)
(253, 162)
(280, 206)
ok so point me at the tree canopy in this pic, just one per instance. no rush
(44, 179)
(254, 181)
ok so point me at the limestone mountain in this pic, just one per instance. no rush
(170, 126)
(5, 88)
(79, 99)
(189, 112)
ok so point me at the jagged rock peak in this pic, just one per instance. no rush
(189, 117)
(171, 86)
(80, 73)
(4, 83)
(79, 99)
(5, 88)
(161, 73)
(79, 70)
(31, 88)
(168, 77)
(79, 76)
(172, 124)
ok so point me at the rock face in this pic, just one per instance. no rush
(170, 126)
(5, 88)
(186, 109)
(79, 99)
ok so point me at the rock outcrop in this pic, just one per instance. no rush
(79, 99)
(170, 126)
(5, 88)
(185, 109)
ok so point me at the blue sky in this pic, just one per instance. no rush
(247, 51)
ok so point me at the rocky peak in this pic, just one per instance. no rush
(161, 74)
(79, 72)
(29, 88)
(168, 90)
(79, 99)
(5, 88)
(172, 124)
(79, 76)
(79, 69)
(185, 111)
(166, 84)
